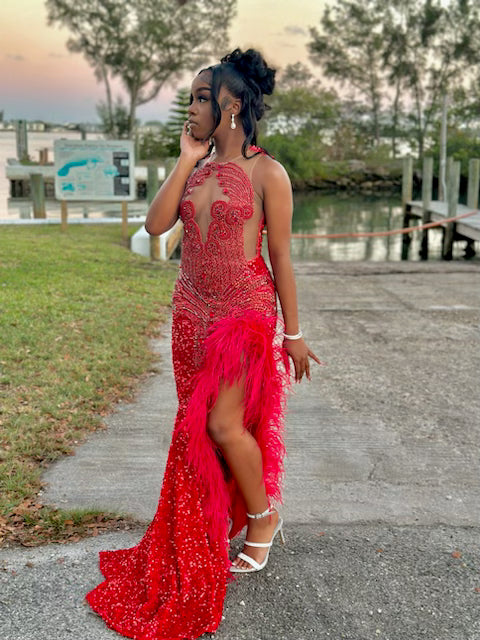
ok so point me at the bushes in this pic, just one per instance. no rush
(307, 162)
(461, 145)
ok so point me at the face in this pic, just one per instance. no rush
(200, 114)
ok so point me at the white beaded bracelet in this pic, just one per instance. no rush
(297, 336)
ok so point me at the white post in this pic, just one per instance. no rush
(442, 187)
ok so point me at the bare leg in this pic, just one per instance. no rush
(244, 458)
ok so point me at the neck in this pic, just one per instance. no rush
(229, 145)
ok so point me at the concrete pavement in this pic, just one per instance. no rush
(382, 474)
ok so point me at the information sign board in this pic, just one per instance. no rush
(94, 170)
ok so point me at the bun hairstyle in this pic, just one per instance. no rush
(247, 77)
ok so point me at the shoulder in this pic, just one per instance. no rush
(271, 174)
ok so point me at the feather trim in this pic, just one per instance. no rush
(237, 346)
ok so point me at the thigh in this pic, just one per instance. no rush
(230, 399)
(226, 416)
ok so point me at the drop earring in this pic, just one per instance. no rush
(232, 123)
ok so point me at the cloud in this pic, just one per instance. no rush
(294, 30)
(16, 56)
(53, 54)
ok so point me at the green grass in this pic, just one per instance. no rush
(76, 309)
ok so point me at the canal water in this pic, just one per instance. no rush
(314, 213)
(322, 214)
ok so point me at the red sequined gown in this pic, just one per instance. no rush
(172, 584)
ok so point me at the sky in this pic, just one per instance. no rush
(41, 79)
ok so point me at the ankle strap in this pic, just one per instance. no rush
(267, 512)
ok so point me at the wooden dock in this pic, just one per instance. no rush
(445, 212)
(438, 211)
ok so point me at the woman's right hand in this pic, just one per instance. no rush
(300, 354)
(191, 148)
(164, 208)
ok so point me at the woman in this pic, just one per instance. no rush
(225, 462)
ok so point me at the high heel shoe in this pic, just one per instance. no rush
(256, 566)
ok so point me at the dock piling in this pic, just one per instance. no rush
(407, 187)
(473, 183)
(43, 156)
(448, 172)
(466, 226)
(155, 242)
(152, 181)
(427, 180)
(37, 187)
(453, 188)
(472, 198)
(152, 188)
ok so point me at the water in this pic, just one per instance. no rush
(314, 213)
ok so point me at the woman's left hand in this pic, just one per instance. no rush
(299, 353)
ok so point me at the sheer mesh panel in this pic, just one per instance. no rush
(209, 191)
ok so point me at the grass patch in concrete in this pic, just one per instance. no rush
(76, 310)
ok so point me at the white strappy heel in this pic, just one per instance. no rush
(256, 566)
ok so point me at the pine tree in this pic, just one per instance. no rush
(176, 119)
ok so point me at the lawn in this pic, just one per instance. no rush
(76, 311)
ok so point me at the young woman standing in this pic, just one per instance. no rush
(225, 463)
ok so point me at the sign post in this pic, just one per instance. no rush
(125, 221)
(63, 214)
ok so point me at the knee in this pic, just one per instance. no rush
(224, 429)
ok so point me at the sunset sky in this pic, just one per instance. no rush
(40, 79)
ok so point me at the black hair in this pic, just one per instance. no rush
(248, 77)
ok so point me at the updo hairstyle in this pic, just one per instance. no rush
(247, 77)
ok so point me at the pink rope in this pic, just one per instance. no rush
(364, 234)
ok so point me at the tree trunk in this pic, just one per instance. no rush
(376, 124)
(108, 91)
(419, 123)
(132, 113)
(374, 101)
(396, 104)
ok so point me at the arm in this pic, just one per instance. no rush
(163, 211)
(278, 206)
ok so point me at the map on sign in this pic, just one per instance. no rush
(94, 170)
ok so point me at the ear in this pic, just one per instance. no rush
(236, 106)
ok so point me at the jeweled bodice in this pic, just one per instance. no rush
(216, 279)
(214, 262)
